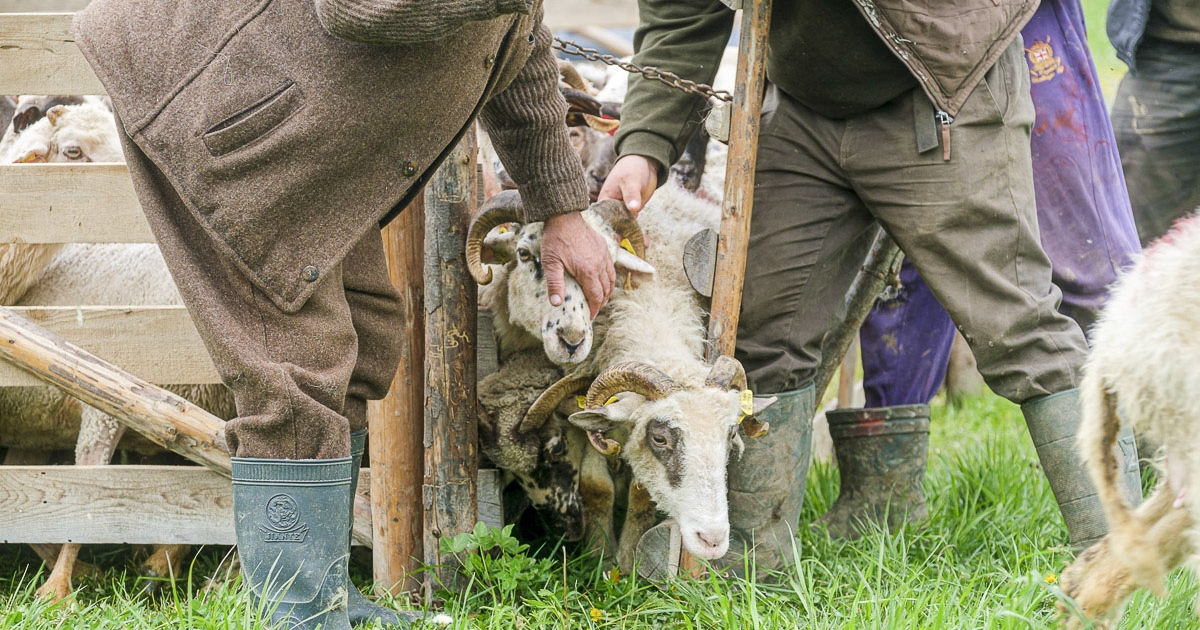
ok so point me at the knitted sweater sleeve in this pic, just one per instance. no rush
(527, 125)
(408, 21)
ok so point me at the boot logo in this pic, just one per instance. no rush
(283, 516)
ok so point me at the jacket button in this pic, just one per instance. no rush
(490, 61)
(409, 169)
(532, 39)
(310, 274)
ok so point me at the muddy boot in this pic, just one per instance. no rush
(1053, 422)
(881, 457)
(766, 487)
(290, 523)
(362, 610)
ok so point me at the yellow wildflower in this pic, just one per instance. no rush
(596, 614)
(1051, 578)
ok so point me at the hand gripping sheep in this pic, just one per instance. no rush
(1143, 363)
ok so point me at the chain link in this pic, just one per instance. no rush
(648, 72)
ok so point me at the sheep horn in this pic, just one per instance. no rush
(614, 213)
(630, 376)
(579, 101)
(503, 207)
(726, 373)
(570, 75)
(545, 404)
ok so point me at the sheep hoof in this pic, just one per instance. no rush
(55, 590)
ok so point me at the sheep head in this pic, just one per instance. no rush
(677, 440)
(524, 434)
(86, 132)
(566, 330)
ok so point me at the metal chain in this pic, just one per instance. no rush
(649, 72)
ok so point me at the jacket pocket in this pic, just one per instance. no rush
(255, 121)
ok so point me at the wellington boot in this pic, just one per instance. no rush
(766, 487)
(290, 523)
(881, 457)
(1053, 422)
(362, 610)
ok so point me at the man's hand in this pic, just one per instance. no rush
(568, 243)
(632, 180)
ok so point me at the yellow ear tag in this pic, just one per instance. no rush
(745, 404)
(581, 401)
(627, 246)
(503, 230)
(610, 401)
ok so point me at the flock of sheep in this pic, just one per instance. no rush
(607, 423)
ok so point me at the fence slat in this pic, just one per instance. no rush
(157, 343)
(39, 56)
(69, 203)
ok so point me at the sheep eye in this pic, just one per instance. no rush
(659, 441)
(73, 153)
(524, 255)
(555, 448)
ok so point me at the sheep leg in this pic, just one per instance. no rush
(1100, 582)
(98, 437)
(640, 516)
(230, 568)
(598, 493)
(163, 563)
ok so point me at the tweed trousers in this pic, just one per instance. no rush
(301, 380)
(969, 225)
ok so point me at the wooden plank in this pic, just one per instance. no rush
(42, 6)
(39, 56)
(157, 343)
(569, 14)
(69, 203)
(398, 421)
(491, 497)
(116, 504)
(451, 459)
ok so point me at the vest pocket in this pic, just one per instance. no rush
(255, 121)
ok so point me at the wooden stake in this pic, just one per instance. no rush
(451, 461)
(157, 414)
(397, 421)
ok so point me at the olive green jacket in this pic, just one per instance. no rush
(947, 45)
(291, 127)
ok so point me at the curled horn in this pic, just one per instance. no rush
(504, 207)
(570, 75)
(614, 213)
(630, 376)
(728, 373)
(545, 404)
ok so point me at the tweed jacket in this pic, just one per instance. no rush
(291, 127)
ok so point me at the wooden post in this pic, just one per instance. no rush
(451, 461)
(738, 204)
(397, 422)
(845, 391)
(157, 414)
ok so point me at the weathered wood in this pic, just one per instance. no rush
(580, 13)
(845, 390)
(450, 303)
(157, 414)
(41, 6)
(738, 204)
(115, 504)
(69, 203)
(491, 497)
(398, 421)
(39, 56)
(133, 337)
(620, 46)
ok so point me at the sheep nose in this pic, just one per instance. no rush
(713, 539)
(569, 345)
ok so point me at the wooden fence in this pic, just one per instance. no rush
(95, 203)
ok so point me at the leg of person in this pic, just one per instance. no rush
(809, 236)
(1156, 118)
(970, 227)
(290, 444)
(1084, 216)
(375, 307)
(882, 449)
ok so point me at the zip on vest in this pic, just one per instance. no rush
(944, 119)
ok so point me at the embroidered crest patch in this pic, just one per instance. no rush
(1043, 65)
(283, 516)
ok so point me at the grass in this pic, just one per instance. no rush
(982, 562)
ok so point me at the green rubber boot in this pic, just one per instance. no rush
(290, 523)
(1053, 422)
(881, 455)
(362, 610)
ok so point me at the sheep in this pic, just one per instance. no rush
(43, 417)
(1142, 360)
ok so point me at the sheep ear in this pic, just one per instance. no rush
(499, 245)
(599, 420)
(54, 113)
(761, 403)
(631, 263)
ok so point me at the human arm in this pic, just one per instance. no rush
(407, 21)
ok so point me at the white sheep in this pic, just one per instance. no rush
(67, 133)
(1143, 361)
